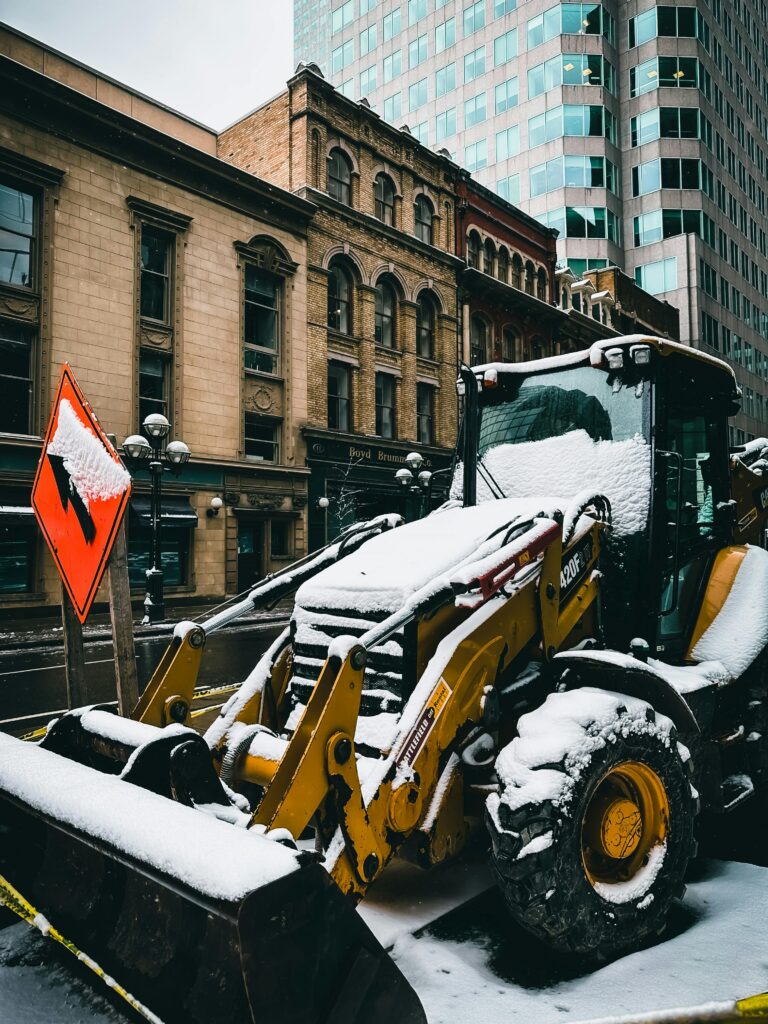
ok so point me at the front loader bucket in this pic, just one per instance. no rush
(199, 919)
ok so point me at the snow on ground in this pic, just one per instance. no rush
(473, 964)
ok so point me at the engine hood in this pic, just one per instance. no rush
(387, 570)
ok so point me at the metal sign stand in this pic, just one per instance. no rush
(74, 654)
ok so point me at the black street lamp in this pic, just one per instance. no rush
(139, 449)
(415, 479)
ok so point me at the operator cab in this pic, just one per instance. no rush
(642, 421)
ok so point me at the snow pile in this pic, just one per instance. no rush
(204, 853)
(568, 465)
(639, 884)
(683, 678)
(567, 729)
(95, 474)
(739, 631)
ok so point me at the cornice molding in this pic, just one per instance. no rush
(33, 171)
(160, 215)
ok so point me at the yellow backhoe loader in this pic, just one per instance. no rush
(570, 653)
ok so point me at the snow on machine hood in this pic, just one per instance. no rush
(386, 571)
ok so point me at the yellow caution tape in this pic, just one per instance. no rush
(13, 899)
(754, 1007)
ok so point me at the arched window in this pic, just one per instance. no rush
(489, 254)
(508, 345)
(384, 194)
(340, 298)
(541, 284)
(386, 304)
(424, 217)
(425, 326)
(530, 278)
(478, 340)
(473, 250)
(517, 272)
(502, 265)
(340, 177)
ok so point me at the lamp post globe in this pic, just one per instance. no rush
(178, 453)
(404, 477)
(156, 425)
(137, 447)
(414, 461)
(424, 478)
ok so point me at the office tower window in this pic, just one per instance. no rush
(417, 51)
(391, 25)
(659, 276)
(505, 47)
(417, 94)
(445, 35)
(476, 155)
(474, 64)
(508, 142)
(445, 80)
(509, 189)
(445, 124)
(474, 110)
(393, 108)
(506, 95)
(342, 56)
(392, 65)
(474, 17)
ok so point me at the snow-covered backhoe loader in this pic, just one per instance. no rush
(570, 653)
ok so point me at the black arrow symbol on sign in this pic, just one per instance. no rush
(67, 493)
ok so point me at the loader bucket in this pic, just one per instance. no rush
(201, 920)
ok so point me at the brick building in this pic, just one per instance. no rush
(382, 328)
(171, 281)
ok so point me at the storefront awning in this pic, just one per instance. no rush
(16, 515)
(174, 512)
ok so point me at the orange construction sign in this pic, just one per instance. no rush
(80, 493)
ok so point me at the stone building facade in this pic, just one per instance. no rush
(170, 281)
(382, 326)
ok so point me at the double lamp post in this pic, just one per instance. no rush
(150, 451)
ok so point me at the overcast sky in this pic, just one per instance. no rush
(213, 60)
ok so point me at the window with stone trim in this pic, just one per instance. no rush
(262, 438)
(478, 340)
(18, 234)
(156, 255)
(153, 384)
(384, 196)
(339, 396)
(426, 316)
(385, 316)
(424, 217)
(17, 345)
(340, 177)
(425, 413)
(386, 420)
(340, 288)
(261, 320)
(18, 541)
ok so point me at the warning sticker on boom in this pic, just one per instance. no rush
(420, 732)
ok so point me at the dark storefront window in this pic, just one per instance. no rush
(15, 378)
(425, 415)
(279, 539)
(385, 405)
(18, 537)
(155, 273)
(17, 236)
(261, 320)
(339, 402)
(174, 555)
(262, 438)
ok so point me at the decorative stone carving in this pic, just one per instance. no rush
(156, 337)
(231, 498)
(299, 501)
(21, 306)
(261, 399)
(266, 502)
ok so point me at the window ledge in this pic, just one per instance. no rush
(430, 360)
(383, 350)
(340, 336)
(263, 374)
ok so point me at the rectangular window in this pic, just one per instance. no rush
(507, 95)
(445, 80)
(502, 7)
(153, 384)
(417, 51)
(15, 378)
(393, 110)
(391, 24)
(348, 88)
(417, 9)
(421, 132)
(474, 110)
(393, 66)
(176, 544)
(445, 35)
(17, 236)
(18, 541)
(509, 188)
(474, 17)
(261, 320)
(339, 397)
(155, 273)
(262, 438)
(508, 143)
(445, 124)
(385, 405)
(342, 17)
(474, 64)
(279, 538)
(657, 277)
(505, 47)
(367, 5)
(425, 417)
(368, 39)
(417, 94)
(476, 155)
(368, 80)
(342, 56)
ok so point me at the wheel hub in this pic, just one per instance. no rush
(621, 828)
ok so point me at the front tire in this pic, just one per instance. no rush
(592, 827)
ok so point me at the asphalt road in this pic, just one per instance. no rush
(33, 685)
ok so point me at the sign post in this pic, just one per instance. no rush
(79, 497)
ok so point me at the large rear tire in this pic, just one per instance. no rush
(592, 827)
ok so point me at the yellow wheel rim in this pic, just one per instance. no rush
(627, 815)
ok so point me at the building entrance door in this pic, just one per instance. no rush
(249, 554)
